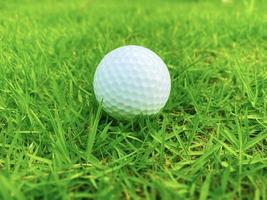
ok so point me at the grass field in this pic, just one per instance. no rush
(209, 142)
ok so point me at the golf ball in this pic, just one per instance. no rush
(130, 81)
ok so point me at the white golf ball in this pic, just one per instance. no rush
(130, 81)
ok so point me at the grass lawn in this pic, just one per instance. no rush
(209, 142)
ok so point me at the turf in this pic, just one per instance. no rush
(209, 142)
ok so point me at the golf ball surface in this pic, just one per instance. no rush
(130, 81)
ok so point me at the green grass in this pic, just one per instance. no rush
(209, 142)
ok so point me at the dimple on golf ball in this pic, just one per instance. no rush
(131, 81)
